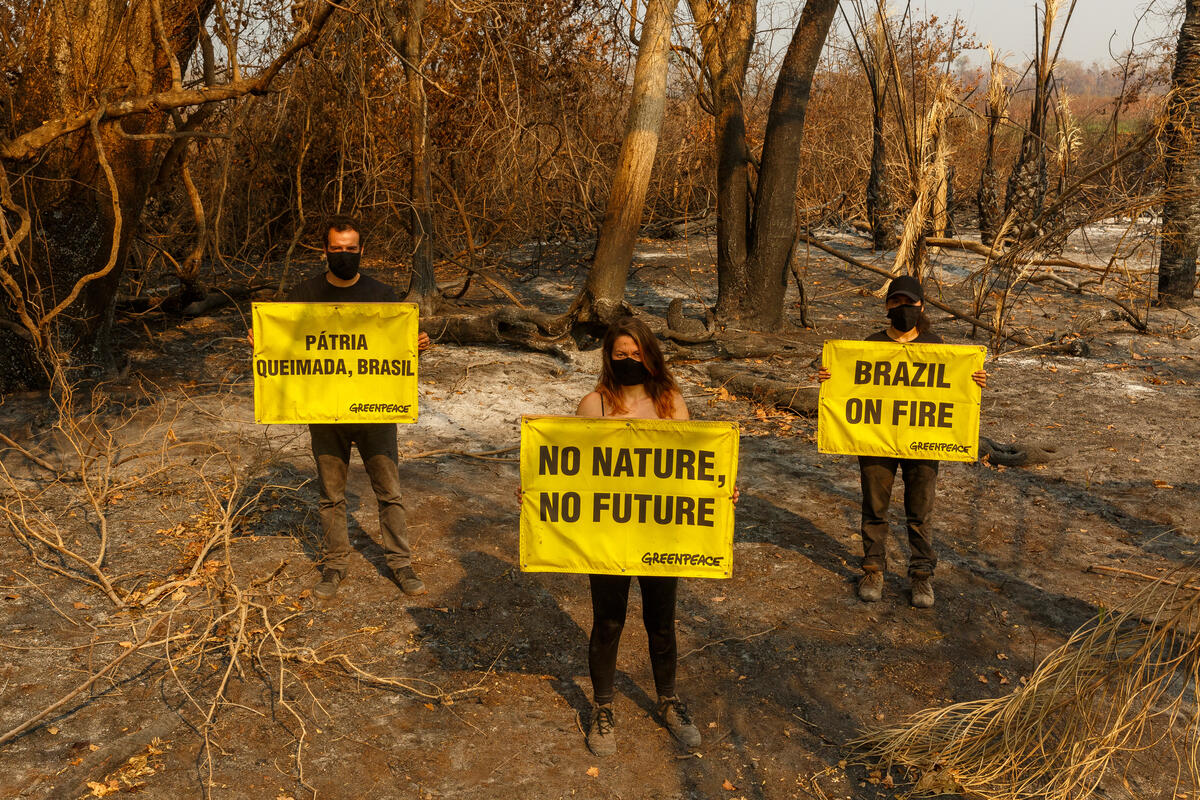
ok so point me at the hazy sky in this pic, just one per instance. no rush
(1009, 24)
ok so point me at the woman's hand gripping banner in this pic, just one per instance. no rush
(900, 400)
(628, 496)
(335, 362)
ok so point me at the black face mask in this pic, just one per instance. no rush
(904, 318)
(629, 372)
(343, 265)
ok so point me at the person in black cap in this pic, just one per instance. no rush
(905, 305)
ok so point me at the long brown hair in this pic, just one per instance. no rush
(660, 385)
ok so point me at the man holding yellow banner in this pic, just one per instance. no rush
(319, 365)
(632, 490)
(901, 404)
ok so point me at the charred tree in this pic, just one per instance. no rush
(883, 233)
(774, 227)
(727, 45)
(755, 240)
(409, 42)
(988, 197)
(84, 194)
(871, 55)
(602, 298)
(1027, 185)
(87, 129)
(1181, 210)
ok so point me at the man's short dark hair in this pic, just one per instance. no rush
(342, 223)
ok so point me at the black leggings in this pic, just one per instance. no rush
(610, 600)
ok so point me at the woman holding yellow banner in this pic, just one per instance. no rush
(905, 304)
(635, 384)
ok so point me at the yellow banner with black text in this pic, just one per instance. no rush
(335, 362)
(900, 400)
(628, 496)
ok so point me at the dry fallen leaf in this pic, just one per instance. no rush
(80, 605)
(727, 786)
(983, 679)
(593, 772)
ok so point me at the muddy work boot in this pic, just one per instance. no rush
(601, 739)
(328, 586)
(409, 583)
(675, 716)
(922, 592)
(870, 586)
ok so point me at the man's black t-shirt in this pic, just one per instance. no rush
(365, 290)
(927, 337)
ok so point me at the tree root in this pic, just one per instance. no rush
(526, 328)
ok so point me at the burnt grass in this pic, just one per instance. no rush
(782, 665)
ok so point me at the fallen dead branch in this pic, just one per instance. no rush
(41, 462)
(137, 646)
(995, 255)
(801, 399)
(1019, 338)
(726, 640)
(481, 455)
(1128, 573)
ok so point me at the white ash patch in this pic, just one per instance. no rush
(1110, 380)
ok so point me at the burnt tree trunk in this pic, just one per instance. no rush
(1181, 210)
(883, 233)
(422, 286)
(1027, 185)
(774, 228)
(726, 56)
(77, 54)
(602, 298)
(991, 205)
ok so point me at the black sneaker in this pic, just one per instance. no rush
(675, 716)
(328, 586)
(409, 582)
(601, 739)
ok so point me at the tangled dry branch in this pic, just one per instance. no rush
(1123, 683)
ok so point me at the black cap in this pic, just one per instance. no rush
(906, 286)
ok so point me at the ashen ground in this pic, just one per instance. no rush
(781, 665)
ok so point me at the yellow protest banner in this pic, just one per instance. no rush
(335, 362)
(628, 496)
(901, 400)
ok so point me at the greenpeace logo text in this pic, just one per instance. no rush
(380, 408)
(682, 559)
(940, 447)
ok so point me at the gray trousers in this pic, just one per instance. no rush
(920, 486)
(376, 444)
